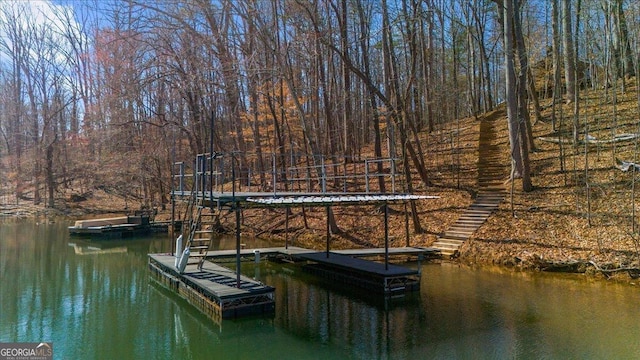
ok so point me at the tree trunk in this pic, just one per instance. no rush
(399, 114)
(569, 61)
(506, 12)
(364, 48)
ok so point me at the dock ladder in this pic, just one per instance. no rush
(201, 219)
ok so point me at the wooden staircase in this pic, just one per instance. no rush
(491, 192)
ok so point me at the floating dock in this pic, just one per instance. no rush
(119, 227)
(388, 279)
(213, 289)
(346, 266)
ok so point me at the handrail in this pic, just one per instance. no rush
(209, 174)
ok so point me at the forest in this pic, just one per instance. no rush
(105, 96)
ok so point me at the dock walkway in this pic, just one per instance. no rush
(385, 278)
(213, 288)
(345, 266)
(293, 251)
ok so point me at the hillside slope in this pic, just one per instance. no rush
(579, 219)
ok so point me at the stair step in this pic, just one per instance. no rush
(482, 204)
(490, 195)
(476, 214)
(467, 232)
(471, 209)
(464, 219)
(448, 241)
(480, 211)
(473, 218)
(442, 246)
(485, 204)
(454, 236)
(198, 255)
(448, 253)
(462, 229)
(475, 224)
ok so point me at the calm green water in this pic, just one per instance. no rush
(95, 300)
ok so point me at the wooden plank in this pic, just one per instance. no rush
(120, 220)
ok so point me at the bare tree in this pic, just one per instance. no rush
(517, 130)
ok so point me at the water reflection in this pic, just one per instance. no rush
(92, 248)
(355, 326)
(96, 300)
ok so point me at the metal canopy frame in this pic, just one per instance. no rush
(328, 200)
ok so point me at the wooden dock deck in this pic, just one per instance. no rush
(345, 266)
(213, 288)
(294, 251)
(119, 227)
(388, 279)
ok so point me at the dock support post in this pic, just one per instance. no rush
(393, 175)
(273, 173)
(324, 176)
(366, 176)
(386, 236)
(406, 224)
(286, 227)
(236, 208)
(328, 231)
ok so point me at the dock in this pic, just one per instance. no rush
(295, 252)
(213, 289)
(346, 266)
(382, 278)
(119, 227)
(208, 192)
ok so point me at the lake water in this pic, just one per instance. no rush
(95, 300)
